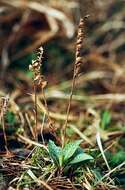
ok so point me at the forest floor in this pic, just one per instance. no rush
(43, 145)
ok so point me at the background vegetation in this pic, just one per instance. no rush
(40, 147)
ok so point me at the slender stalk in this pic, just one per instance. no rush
(3, 113)
(77, 66)
(35, 111)
(68, 110)
(46, 107)
(38, 82)
(4, 133)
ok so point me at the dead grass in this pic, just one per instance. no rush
(96, 107)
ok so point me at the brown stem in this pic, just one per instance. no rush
(36, 111)
(68, 108)
(46, 106)
(4, 132)
(77, 65)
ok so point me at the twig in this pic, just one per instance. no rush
(28, 141)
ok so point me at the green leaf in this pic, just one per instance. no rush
(70, 149)
(80, 158)
(78, 151)
(55, 153)
(106, 119)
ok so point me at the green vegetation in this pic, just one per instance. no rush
(62, 122)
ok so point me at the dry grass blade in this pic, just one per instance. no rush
(81, 80)
(115, 98)
(38, 181)
(56, 116)
(98, 138)
(113, 170)
(94, 113)
(28, 141)
(53, 21)
(81, 135)
(49, 11)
